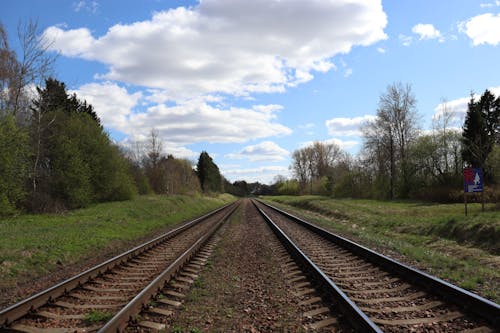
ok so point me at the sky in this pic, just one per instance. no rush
(251, 81)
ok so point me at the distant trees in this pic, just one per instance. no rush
(313, 165)
(397, 161)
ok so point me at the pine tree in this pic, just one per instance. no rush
(481, 129)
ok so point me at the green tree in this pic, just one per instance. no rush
(481, 129)
(75, 162)
(208, 174)
(13, 164)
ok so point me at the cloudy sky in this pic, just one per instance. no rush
(251, 81)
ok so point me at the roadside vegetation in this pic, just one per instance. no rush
(34, 245)
(437, 238)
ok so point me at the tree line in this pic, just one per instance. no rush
(399, 161)
(54, 152)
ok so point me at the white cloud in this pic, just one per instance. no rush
(264, 174)
(458, 107)
(196, 121)
(405, 40)
(348, 72)
(343, 144)
(482, 29)
(231, 47)
(496, 3)
(426, 31)
(89, 6)
(381, 50)
(264, 151)
(112, 103)
(347, 126)
(186, 123)
(71, 43)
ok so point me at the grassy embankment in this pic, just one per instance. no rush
(34, 245)
(436, 238)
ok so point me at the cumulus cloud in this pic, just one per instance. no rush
(231, 47)
(426, 31)
(112, 103)
(482, 29)
(264, 151)
(347, 126)
(186, 123)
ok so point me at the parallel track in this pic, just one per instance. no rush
(117, 288)
(376, 293)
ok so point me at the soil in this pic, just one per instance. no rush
(242, 289)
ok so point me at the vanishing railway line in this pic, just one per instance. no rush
(376, 293)
(340, 285)
(116, 290)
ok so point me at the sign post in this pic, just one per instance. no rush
(473, 183)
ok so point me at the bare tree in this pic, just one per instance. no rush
(34, 64)
(388, 137)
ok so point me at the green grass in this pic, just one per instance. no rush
(435, 237)
(35, 245)
(96, 316)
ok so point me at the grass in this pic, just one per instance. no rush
(96, 316)
(437, 238)
(35, 245)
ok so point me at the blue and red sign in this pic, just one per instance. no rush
(473, 180)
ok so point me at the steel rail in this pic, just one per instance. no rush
(121, 320)
(468, 301)
(357, 318)
(24, 307)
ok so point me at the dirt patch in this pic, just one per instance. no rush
(242, 289)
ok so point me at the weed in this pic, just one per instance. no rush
(96, 316)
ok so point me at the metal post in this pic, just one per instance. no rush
(465, 202)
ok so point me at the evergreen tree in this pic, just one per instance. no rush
(481, 129)
(208, 174)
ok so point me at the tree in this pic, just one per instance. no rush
(74, 161)
(208, 174)
(314, 164)
(31, 67)
(481, 129)
(388, 137)
(13, 164)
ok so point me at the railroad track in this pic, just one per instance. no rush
(376, 293)
(108, 296)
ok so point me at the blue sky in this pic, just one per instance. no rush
(251, 81)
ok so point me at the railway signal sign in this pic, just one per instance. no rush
(473, 183)
(473, 180)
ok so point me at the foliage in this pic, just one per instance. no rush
(208, 174)
(481, 131)
(74, 161)
(13, 164)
